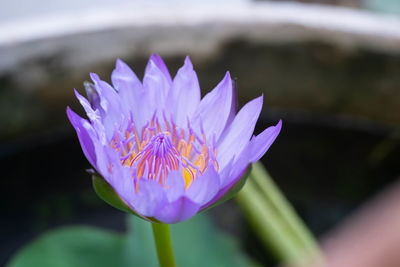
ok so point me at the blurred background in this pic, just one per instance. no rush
(330, 69)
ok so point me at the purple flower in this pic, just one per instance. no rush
(164, 153)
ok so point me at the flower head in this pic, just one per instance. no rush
(164, 153)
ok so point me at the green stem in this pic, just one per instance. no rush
(162, 238)
(274, 219)
(288, 215)
(270, 230)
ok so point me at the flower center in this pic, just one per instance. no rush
(159, 156)
(161, 148)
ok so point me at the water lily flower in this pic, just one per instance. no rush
(162, 152)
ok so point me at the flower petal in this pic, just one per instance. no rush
(181, 209)
(93, 115)
(239, 132)
(236, 169)
(261, 143)
(123, 77)
(161, 65)
(86, 135)
(110, 102)
(175, 186)
(214, 109)
(184, 97)
(229, 191)
(131, 93)
(103, 162)
(109, 99)
(205, 187)
(149, 199)
(230, 176)
(157, 83)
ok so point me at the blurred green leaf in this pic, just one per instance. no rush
(72, 246)
(196, 243)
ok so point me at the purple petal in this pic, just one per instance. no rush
(103, 163)
(205, 187)
(184, 97)
(131, 93)
(86, 135)
(120, 179)
(175, 186)
(239, 132)
(261, 143)
(110, 103)
(156, 84)
(230, 176)
(109, 99)
(213, 110)
(92, 115)
(237, 169)
(232, 113)
(123, 77)
(149, 199)
(181, 209)
(161, 65)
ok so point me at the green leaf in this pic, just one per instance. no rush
(196, 243)
(72, 246)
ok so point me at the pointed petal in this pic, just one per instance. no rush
(261, 143)
(109, 99)
(184, 96)
(86, 135)
(205, 187)
(156, 84)
(123, 77)
(92, 115)
(213, 110)
(239, 132)
(131, 93)
(232, 113)
(161, 65)
(177, 211)
(110, 102)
